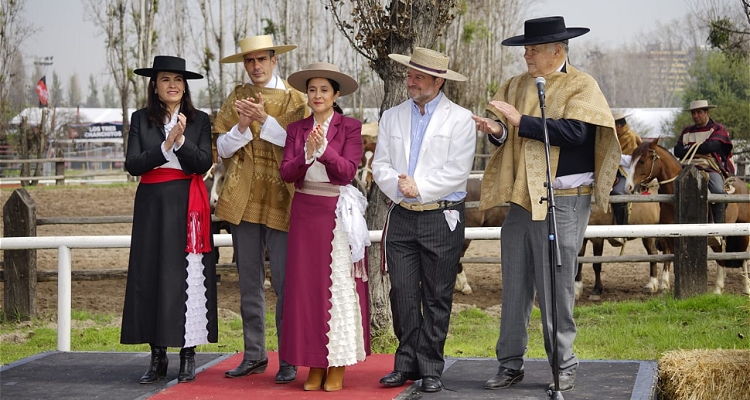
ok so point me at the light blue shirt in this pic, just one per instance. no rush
(419, 125)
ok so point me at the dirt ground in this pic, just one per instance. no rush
(622, 281)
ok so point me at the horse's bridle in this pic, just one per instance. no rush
(650, 177)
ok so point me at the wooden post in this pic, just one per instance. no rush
(19, 219)
(691, 207)
(60, 167)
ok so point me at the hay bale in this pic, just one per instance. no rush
(704, 374)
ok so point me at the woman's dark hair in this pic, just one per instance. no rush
(335, 85)
(157, 110)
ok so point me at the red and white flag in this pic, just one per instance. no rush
(41, 90)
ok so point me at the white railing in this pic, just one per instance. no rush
(63, 244)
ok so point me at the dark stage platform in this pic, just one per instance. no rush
(88, 375)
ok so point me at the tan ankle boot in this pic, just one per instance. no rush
(315, 379)
(335, 379)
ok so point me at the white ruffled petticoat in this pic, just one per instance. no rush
(345, 336)
(196, 320)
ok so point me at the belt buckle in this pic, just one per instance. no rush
(416, 206)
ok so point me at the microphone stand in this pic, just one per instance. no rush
(554, 253)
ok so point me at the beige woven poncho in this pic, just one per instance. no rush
(517, 170)
(253, 190)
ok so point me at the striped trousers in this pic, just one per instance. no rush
(422, 254)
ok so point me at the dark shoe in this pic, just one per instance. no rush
(566, 381)
(158, 367)
(248, 367)
(286, 374)
(431, 384)
(187, 365)
(398, 378)
(504, 378)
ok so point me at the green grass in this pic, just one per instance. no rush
(625, 330)
(629, 330)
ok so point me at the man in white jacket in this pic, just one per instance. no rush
(422, 162)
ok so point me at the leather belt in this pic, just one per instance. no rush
(438, 205)
(576, 191)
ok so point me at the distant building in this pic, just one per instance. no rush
(668, 72)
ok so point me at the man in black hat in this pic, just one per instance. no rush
(584, 155)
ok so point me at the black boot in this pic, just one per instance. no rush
(717, 211)
(187, 365)
(621, 213)
(158, 368)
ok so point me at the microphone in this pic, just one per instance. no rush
(540, 82)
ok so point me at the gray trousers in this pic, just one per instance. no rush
(525, 260)
(250, 242)
(422, 254)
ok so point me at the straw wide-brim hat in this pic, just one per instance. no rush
(699, 105)
(430, 62)
(257, 43)
(544, 30)
(167, 64)
(620, 115)
(298, 80)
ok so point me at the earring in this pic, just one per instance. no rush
(335, 104)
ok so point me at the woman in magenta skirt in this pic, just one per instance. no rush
(326, 319)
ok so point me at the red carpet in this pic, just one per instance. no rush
(360, 382)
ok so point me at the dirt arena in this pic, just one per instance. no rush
(623, 281)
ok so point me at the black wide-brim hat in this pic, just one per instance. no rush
(544, 30)
(168, 64)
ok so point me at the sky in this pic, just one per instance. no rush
(77, 47)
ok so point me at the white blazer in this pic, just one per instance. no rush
(445, 158)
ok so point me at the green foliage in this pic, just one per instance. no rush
(729, 38)
(724, 82)
(469, 30)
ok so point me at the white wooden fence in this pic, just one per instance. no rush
(64, 243)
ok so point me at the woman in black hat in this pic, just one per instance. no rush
(170, 299)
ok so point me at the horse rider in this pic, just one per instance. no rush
(708, 146)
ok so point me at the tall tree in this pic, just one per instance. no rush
(729, 26)
(55, 92)
(375, 29)
(74, 91)
(92, 100)
(14, 30)
(111, 18)
(142, 15)
(109, 95)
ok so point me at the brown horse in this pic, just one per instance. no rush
(475, 218)
(640, 214)
(653, 161)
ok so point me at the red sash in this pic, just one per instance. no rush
(199, 212)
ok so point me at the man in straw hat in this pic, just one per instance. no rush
(251, 129)
(422, 162)
(584, 155)
(708, 145)
(629, 140)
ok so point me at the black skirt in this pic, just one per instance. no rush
(156, 293)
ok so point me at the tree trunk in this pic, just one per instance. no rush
(381, 320)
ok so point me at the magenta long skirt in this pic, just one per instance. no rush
(307, 287)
